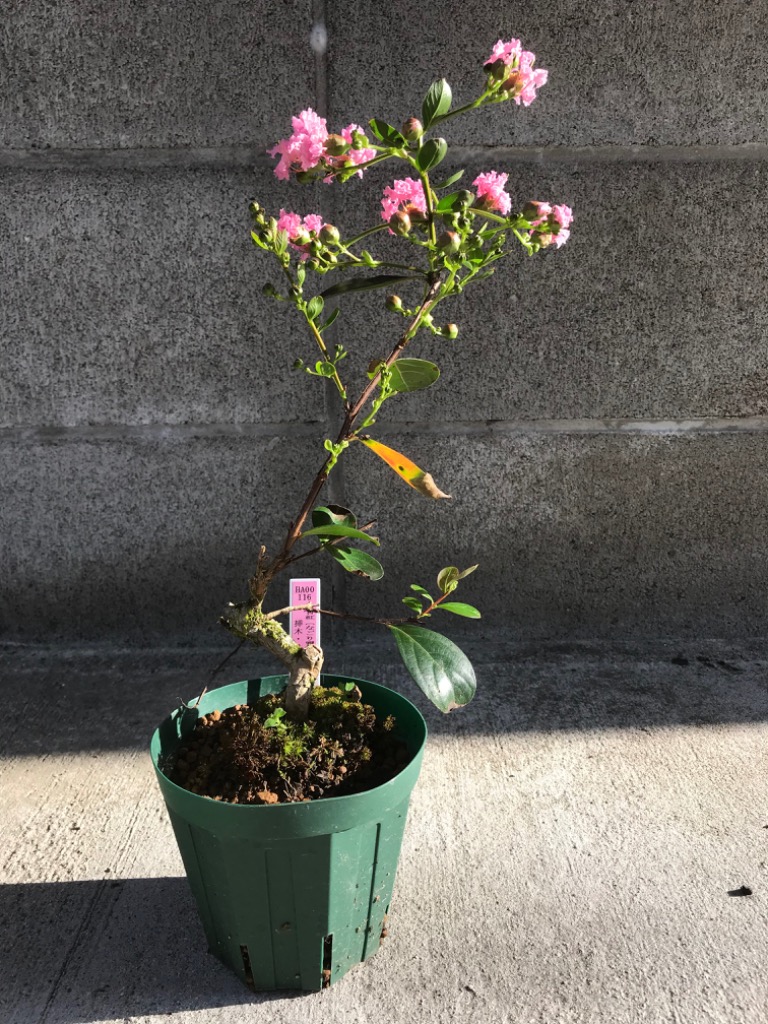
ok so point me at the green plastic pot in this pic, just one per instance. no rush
(291, 896)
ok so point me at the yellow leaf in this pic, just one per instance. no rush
(406, 469)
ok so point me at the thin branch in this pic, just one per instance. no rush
(336, 615)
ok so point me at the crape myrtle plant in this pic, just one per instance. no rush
(452, 237)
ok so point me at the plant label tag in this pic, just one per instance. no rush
(305, 626)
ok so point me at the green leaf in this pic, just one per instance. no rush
(315, 307)
(458, 608)
(323, 515)
(329, 321)
(358, 562)
(431, 154)
(364, 284)
(421, 590)
(281, 242)
(412, 374)
(413, 602)
(386, 133)
(324, 369)
(340, 530)
(466, 572)
(448, 579)
(446, 204)
(437, 665)
(450, 181)
(437, 102)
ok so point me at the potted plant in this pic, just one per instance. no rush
(289, 798)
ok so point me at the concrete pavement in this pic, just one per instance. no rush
(569, 855)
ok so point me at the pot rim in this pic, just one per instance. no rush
(170, 725)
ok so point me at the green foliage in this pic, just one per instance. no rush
(315, 307)
(454, 241)
(431, 154)
(412, 375)
(359, 563)
(366, 284)
(437, 665)
(340, 530)
(275, 720)
(437, 102)
(458, 608)
(450, 181)
(386, 133)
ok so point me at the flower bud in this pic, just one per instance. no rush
(257, 212)
(417, 216)
(449, 242)
(535, 211)
(400, 223)
(451, 331)
(497, 70)
(394, 303)
(359, 140)
(336, 145)
(512, 83)
(329, 234)
(413, 129)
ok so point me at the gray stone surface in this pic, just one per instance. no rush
(569, 853)
(135, 297)
(139, 538)
(578, 535)
(153, 74)
(620, 73)
(652, 310)
(144, 538)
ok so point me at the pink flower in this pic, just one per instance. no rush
(490, 189)
(505, 51)
(561, 237)
(527, 82)
(400, 194)
(562, 215)
(523, 80)
(314, 222)
(537, 213)
(290, 223)
(355, 156)
(295, 228)
(304, 149)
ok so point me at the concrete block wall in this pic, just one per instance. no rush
(601, 421)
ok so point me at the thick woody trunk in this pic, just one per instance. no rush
(303, 663)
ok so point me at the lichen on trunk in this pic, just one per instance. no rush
(304, 664)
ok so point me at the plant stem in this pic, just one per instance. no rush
(260, 582)
(319, 339)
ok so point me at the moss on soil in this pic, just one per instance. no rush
(341, 748)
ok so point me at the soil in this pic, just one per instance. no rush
(254, 754)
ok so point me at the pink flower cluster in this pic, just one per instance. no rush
(306, 148)
(400, 195)
(523, 79)
(490, 190)
(296, 228)
(550, 223)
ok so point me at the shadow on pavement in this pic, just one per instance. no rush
(75, 952)
(68, 704)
